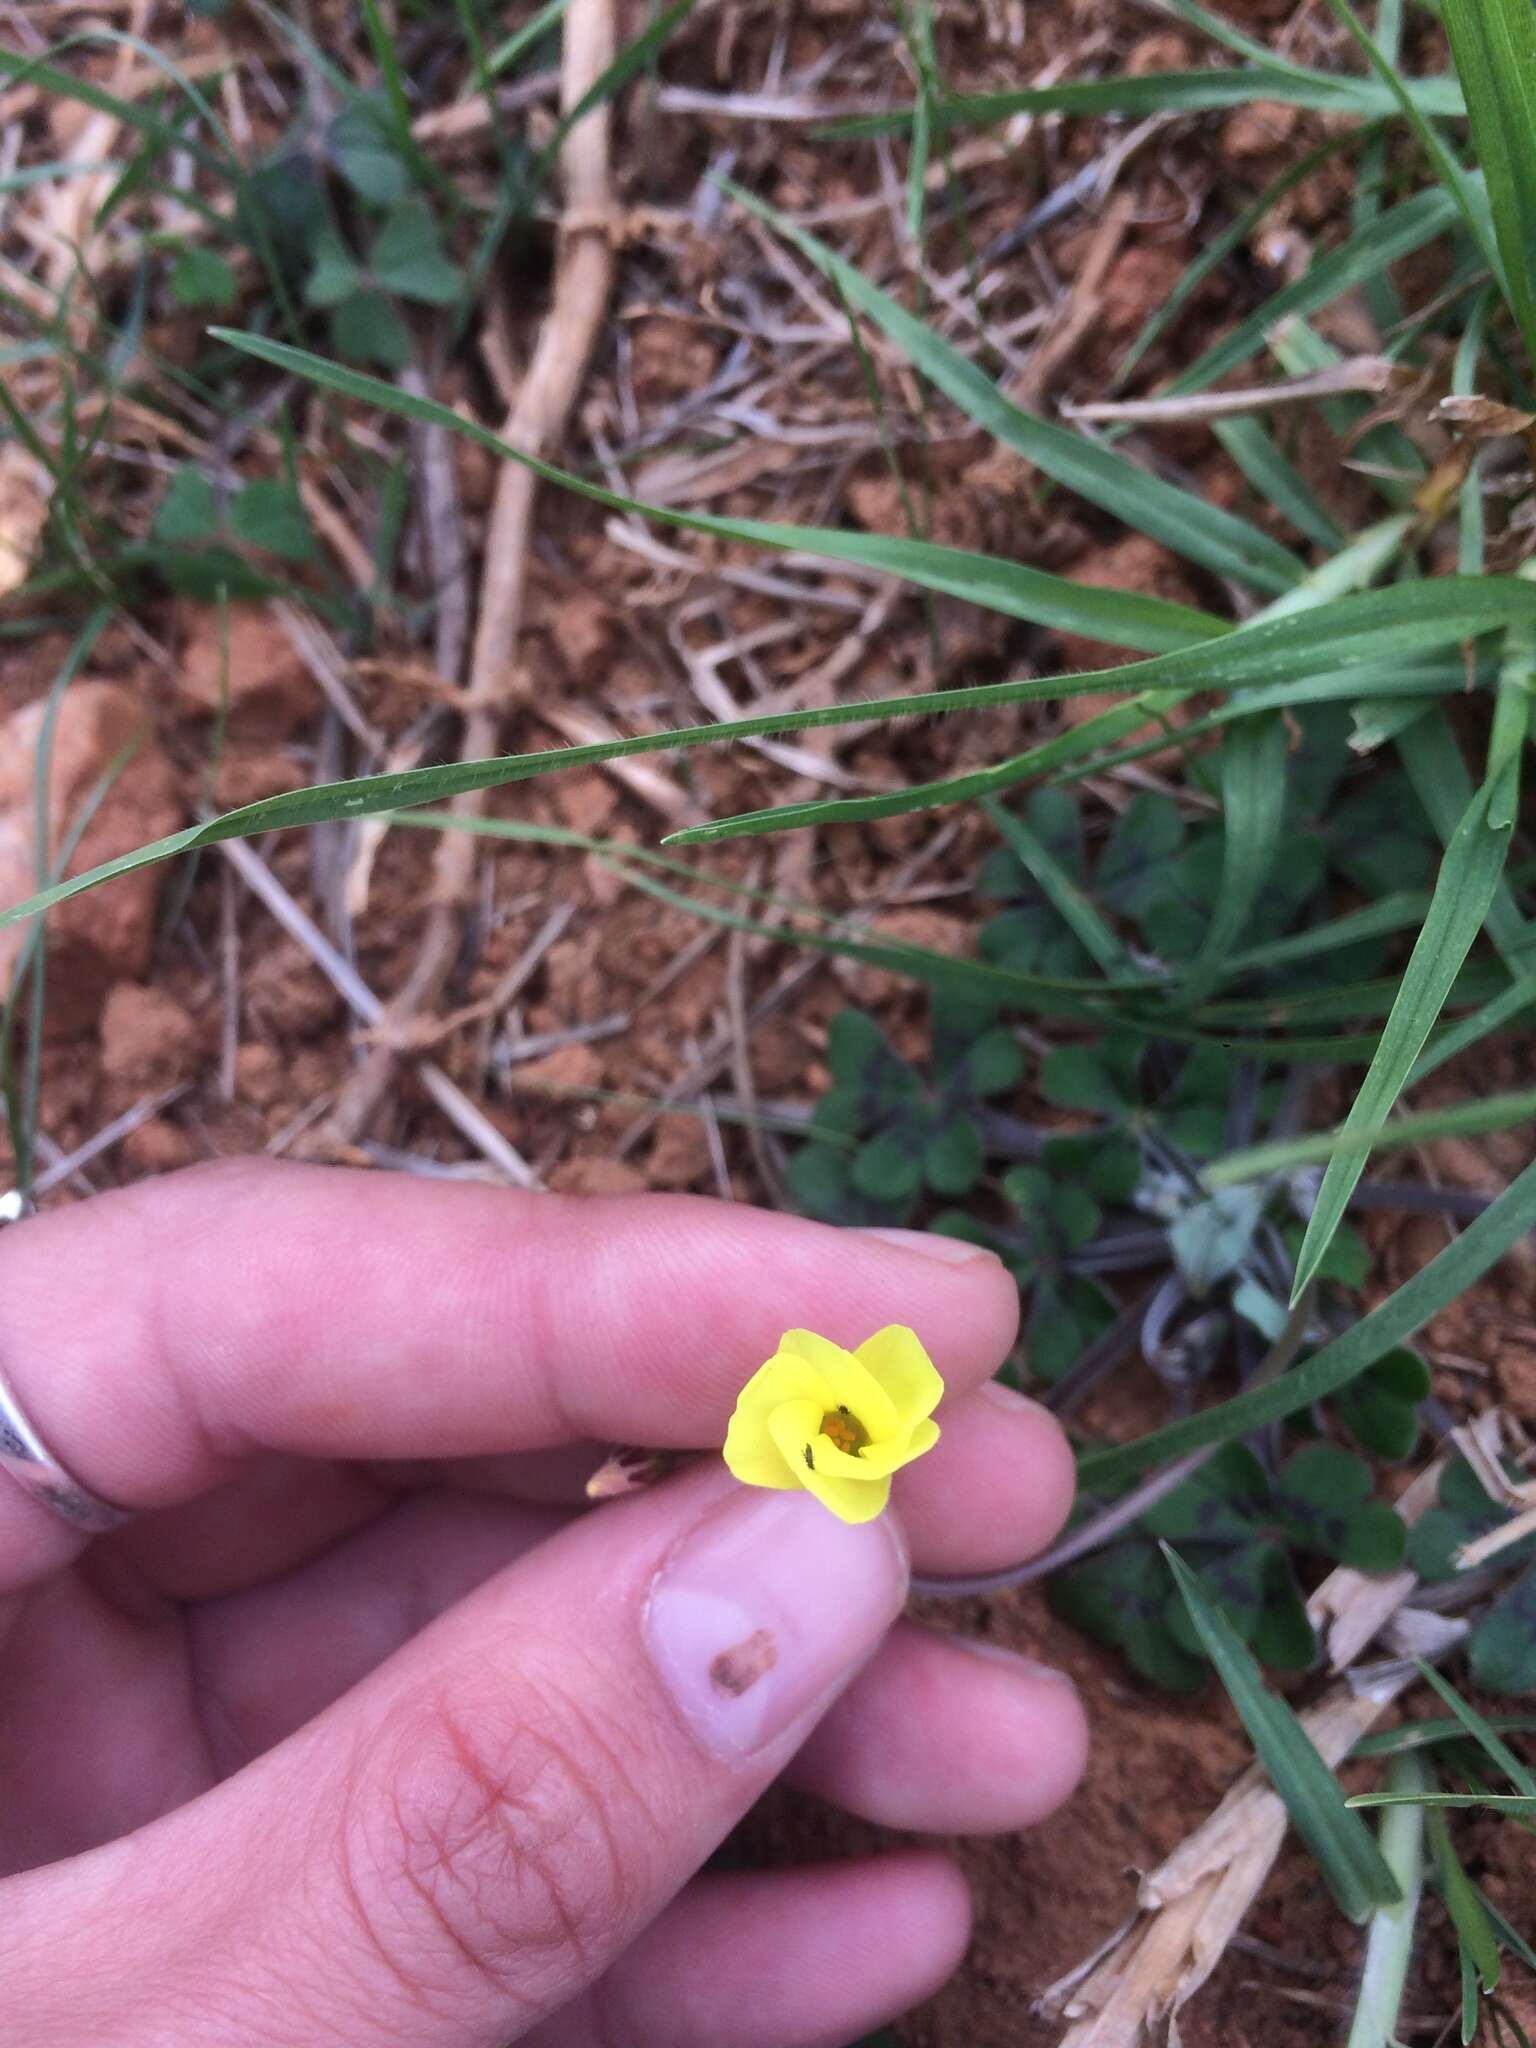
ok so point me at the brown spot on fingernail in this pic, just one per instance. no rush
(738, 1669)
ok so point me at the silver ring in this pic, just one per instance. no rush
(32, 1465)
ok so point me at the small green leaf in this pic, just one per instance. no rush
(189, 511)
(995, 1062)
(1211, 1239)
(268, 514)
(367, 328)
(953, 1159)
(856, 1046)
(334, 274)
(1074, 1077)
(1502, 1653)
(888, 1168)
(1346, 1854)
(407, 257)
(364, 154)
(201, 277)
(818, 1179)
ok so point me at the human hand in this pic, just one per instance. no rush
(359, 1735)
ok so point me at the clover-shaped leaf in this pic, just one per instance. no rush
(1462, 1512)
(1134, 868)
(1502, 1652)
(1240, 1528)
(1323, 1501)
(1502, 1649)
(1380, 1407)
(202, 533)
(1122, 1598)
(883, 1132)
(363, 151)
(1075, 1077)
(407, 257)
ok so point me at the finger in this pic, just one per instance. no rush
(781, 1959)
(1001, 1485)
(273, 1514)
(157, 1334)
(994, 1489)
(342, 1614)
(948, 1736)
(474, 1835)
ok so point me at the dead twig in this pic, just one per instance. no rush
(582, 281)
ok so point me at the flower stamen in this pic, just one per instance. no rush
(845, 1430)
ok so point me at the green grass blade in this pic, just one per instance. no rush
(1470, 194)
(1252, 804)
(1482, 1732)
(1168, 92)
(1352, 1864)
(1484, 1241)
(525, 38)
(1284, 1155)
(1474, 1934)
(1429, 752)
(1074, 906)
(1341, 576)
(1493, 44)
(1124, 619)
(1426, 1734)
(1520, 1805)
(1235, 236)
(1363, 255)
(1352, 629)
(1277, 480)
(1203, 533)
(1389, 1942)
(1469, 874)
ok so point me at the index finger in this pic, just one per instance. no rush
(156, 1335)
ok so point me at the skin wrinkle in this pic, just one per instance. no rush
(514, 1817)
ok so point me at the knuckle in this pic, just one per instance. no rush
(500, 1856)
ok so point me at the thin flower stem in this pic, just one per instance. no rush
(1105, 1526)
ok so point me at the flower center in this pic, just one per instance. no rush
(844, 1430)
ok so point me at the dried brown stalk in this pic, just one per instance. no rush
(583, 278)
(1193, 1903)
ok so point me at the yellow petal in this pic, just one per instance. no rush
(851, 1500)
(785, 1377)
(754, 1457)
(750, 1450)
(896, 1359)
(794, 1427)
(901, 1450)
(849, 1383)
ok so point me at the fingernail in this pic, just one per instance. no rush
(1009, 1399)
(930, 1244)
(765, 1611)
(997, 1653)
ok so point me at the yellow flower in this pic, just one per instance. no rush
(836, 1422)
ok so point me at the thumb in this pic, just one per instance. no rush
(474, 1834)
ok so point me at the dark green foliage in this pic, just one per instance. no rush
(1051, 1218)
(1242, 1530)
(203, 537)
(201, 277)
(1160, 875)
(1380, 1409)
(1502, 1650)
(884, 1132)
